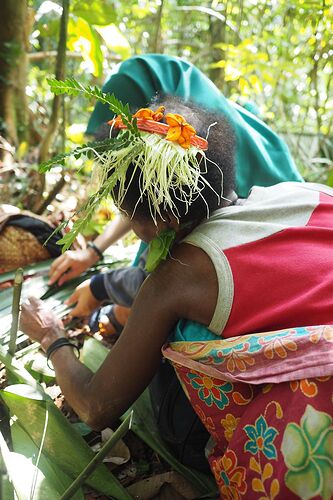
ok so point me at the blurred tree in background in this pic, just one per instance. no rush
(271, 56)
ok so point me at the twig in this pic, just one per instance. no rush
(46, 54)
(15, 310)
(89, 469)
(50, 197)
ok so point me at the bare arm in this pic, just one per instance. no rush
(74, 262)
(185, 287)
(115, 230)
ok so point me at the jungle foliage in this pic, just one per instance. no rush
(274, 57)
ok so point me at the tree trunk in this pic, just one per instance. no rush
(217, 32)
(157, 42)
(14, 32)
(60, 75)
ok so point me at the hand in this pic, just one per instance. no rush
(40, 323)
(71, 264)
(85, 301)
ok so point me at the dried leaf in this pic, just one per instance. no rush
(149, 488)
(119, 454)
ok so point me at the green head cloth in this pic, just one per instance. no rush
(262, 158)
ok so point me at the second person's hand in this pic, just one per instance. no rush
(84, 299)
(71, 264)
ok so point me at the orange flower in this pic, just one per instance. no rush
(117, 122)
(180, 131)
(145, 113)
(149, 114)
(176, 129)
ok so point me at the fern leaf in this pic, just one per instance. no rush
(86, 149)
(71, 87)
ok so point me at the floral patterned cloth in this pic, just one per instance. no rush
(267, 402)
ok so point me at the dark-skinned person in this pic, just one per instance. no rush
(262, 157)
(240, 302)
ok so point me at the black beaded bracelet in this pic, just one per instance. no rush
(92, 245)
(63, 341)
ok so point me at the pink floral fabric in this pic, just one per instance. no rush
(267, 401)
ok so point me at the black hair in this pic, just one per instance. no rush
(218, 170)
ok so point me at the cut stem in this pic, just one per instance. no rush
(89, 469)
(15, 310)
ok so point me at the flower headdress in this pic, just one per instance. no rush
(170, 158)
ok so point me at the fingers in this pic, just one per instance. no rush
(58, 269)
(54, 269)
(72, 299)
(67, 276)
(31, 302)
(77, 310)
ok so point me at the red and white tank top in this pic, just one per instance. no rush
(273, 257)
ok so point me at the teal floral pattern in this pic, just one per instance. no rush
(210, 392)
(261, 438)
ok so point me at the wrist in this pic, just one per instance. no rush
(59, 344)
(51, 337)
(91, 245)
(92, 256)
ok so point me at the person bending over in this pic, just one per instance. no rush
(234, 267)
(261, 156)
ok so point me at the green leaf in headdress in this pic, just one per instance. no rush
(159, 249)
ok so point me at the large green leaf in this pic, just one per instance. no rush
(35, 362)
(101, 12)
(93, 353)
(32, 475)
(83, 38)
(60, 444)
(27, 480)
(6, 487)
(115, 40)
(17, 370)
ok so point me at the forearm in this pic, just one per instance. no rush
(113, 232)
(74, 379)
(72, 376)
(98, 399)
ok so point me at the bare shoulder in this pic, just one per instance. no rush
(189, 283)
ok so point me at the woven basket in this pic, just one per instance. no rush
(19, 248)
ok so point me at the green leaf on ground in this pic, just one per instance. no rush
(56, 439)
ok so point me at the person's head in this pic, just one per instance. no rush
(166, 185)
